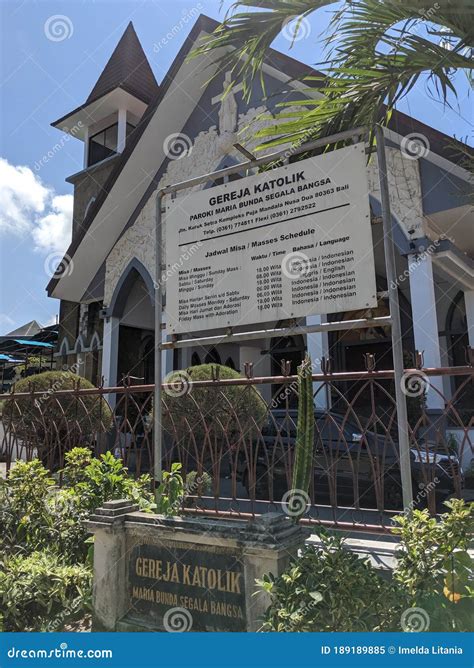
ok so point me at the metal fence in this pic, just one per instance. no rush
(241, 433)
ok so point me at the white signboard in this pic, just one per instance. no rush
(285, 243)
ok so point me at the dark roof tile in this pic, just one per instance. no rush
(127, 68)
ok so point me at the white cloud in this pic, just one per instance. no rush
(29, 207)
(53, 231)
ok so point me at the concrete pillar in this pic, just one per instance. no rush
(469, 301)
(317, 345)
(121, 130)
(425, 323)
(109, 595)
(110, 354)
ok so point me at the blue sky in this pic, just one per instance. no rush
(41, 80)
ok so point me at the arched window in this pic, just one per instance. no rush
(212, 357)
(230, 363)
(195, 359)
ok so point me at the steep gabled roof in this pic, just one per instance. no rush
(127, 68)
(28, 329)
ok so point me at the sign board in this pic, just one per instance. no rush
(196, 585)
(285, 243)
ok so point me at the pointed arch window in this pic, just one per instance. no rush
(195, 359)
(212, 357)
(230, 363)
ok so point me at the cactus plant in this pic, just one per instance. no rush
(303, 455)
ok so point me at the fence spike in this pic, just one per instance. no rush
(285, 367)
(419, 359)
(369, 359)
(470, 355)
(326, 366)
(248, 369)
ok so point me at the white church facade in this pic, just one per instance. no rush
(140, 136)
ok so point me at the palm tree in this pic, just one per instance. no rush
(376, 53)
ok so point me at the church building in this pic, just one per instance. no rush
(140, 135)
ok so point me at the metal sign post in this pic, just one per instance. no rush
(397, 346)
(356, 134)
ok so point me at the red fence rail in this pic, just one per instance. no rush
(241, 433)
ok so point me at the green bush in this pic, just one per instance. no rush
(106, 478)
(48, 419)
(25, 521)
(434, 567)
(39, 592)
(35, 514)
(174, 490)
(330, 588)
(44, 576)
(222, 410)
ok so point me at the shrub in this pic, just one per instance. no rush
(39, 592)
(25, 522)
(434, 566)
(174, 491)
(106, 478)
(76, 462)
(51, 421)
(44, 579)
(35, 514)
(330, 588)
(222, 410)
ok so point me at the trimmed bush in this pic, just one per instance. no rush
(220, 410)
(50, 421)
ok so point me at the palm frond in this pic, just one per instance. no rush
(377, 52)
(242, 40)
